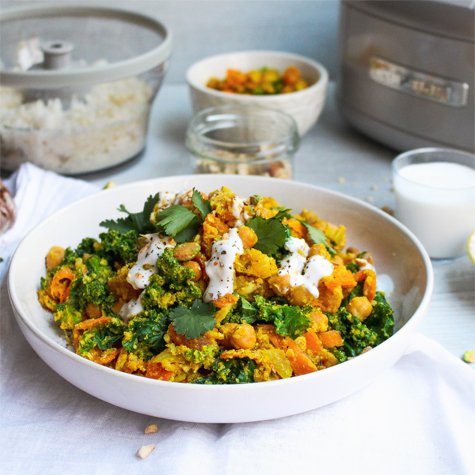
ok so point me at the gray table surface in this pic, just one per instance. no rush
(333, 156)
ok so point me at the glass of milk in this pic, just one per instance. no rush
(435, 198)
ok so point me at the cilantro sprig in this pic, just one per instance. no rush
(203, 206)
(318, 237)
(180, 222)
(271, 234)
(195, 321)
(139, 222)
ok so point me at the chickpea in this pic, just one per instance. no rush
(196, 268)
(243, 337)
(248, 237)
(280, 284)
(227, 331)
(360, 307)
(54, 257)
(338, 261)
(319, 250)
(300, 296)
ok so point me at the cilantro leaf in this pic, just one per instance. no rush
(195, 321)
(139, 222)
(283, 213)
(203, 206)
(318, 237)
(271, 234)
(175, 220)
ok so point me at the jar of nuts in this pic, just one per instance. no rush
(243, 140)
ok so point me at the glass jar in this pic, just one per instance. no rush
(243, 140)
(73, 98)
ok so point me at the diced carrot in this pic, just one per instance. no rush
(61, 284)
(194, 343)
(157, 371)
(225, 300)
(248, 237)
(104, 357)
(314, 344)
(320, 320)
(297, 228)
(341, 277)
(213, 229)
(369, 287)
(300, 362)
(331, 338)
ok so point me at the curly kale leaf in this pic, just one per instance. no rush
(171, 285)
(289, 320)
(242, 312)
(381, 319)
(103, 337)
(145, 334)
(99, 268)
(355, 292)
(120, 247)
(139, 222)
(87, 246)
(293, 322)
(233, 371)
(67, 315)
(85, 289)
(356, 335)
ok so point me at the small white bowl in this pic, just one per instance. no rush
(396, 252)
(304, 106)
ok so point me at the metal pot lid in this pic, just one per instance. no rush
(449, 18)
(67, 46)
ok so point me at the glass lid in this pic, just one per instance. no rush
(51, 47)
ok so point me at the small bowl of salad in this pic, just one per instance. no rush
(287, 82)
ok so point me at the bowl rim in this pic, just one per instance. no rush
(320, 83)
(406, 330)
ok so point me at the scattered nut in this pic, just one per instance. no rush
(369, 199)
(388, 210)
(151, 429)
(341, 179)
(145, 451)
(374, 188)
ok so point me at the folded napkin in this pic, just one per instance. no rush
(37, 194)
(417, 418)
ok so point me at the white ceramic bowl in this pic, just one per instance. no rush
(304, 106)
(395, 250)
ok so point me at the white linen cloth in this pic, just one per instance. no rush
(417, 418)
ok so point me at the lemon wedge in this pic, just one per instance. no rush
(471, 246)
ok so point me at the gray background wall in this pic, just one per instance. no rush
(207, 27)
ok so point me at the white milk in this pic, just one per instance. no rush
(436, 201)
